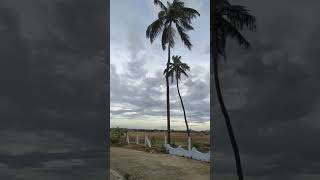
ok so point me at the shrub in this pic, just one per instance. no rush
(126, 176)
(153, 141)
(196, 145)
(173, 144)
(163, 149)
(115, 134)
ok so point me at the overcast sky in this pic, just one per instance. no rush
(137, 83)
(272, 93)
(53, 89)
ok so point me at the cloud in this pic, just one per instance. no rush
(63, 163)
(53, 76)
(269, 91)
(147, 97)
(137, 81)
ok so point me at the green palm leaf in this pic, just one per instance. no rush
(160, 4)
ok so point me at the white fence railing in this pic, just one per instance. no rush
(146, 140)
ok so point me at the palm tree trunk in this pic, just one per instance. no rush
(168, 98)
(227, 120)
(184, 112)
(214, 46)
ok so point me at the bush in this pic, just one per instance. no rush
(196, 145)
(115, 134)
(163, 149)
(126, 176)
(173, 144)
(153, 141)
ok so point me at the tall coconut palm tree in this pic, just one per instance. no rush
(227, 21)
(177, 14)
(176, 69)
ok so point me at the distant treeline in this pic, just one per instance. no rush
(155, 130)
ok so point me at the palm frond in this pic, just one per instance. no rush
(184, 72)
(184, 37)
(184, 24)
(177, 4)
(190, 13)
(161, 14)
(175, 58)
(176, 13)
(154, 29)
(168, 37)
(178, 67)
(168, 4)
(233, 32)
(184, 66)
(239, 17)
(160, 4)
(231, 20)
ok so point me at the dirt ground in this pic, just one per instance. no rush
(139, 165)
(114, 175)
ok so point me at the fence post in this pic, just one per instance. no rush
(128, 141)
(189, 143)
(146, 141)
(137, 138)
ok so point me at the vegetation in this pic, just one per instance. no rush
(177, 14)
(153, 141)
(116, 134)
(126, 176)
(227, 21)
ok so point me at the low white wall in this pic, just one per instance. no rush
(194, 153)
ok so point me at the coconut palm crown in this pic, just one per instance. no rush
(177, 68)
(176, 14)
(230, 21)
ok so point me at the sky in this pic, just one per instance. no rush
(272, 94)
(136, 67)
(53, 89)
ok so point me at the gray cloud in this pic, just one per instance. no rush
(274, 87)
(53, 83)
(138, 89)
(146, 96)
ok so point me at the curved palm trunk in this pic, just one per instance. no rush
(168, 98)
(184, 112)
(227, 120)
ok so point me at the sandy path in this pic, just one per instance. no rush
(142, 165)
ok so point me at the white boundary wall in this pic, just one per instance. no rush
(193, 153)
